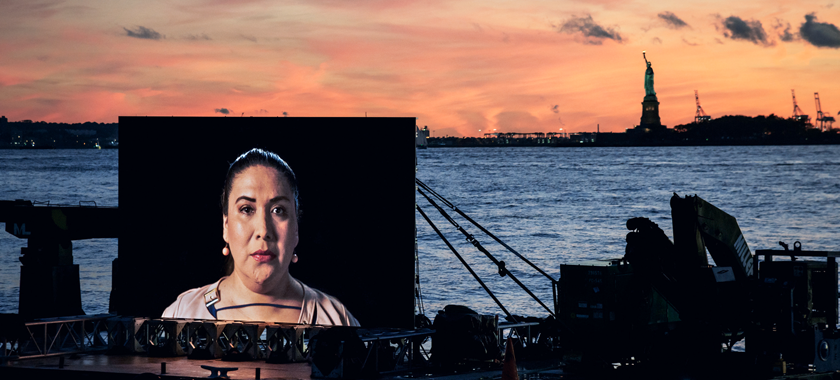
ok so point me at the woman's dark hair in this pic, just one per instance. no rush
(251, 158)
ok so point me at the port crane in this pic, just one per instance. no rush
(798, 115)
(700, 116)
(825, 120)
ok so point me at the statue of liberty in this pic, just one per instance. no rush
(648, 78)
(650, 105)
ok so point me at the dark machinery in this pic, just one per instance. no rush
(664, 303)
(49, 281)
(795, 310)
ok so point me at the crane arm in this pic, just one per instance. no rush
(699, 225)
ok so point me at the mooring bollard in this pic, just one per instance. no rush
(221, 372)
(257, 374)
(163, 368)
(61, 362)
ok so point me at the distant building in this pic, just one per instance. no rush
(583, 137)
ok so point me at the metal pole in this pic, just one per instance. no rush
(831, 318)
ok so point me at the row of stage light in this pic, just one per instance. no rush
(211, 339)
(333, 351)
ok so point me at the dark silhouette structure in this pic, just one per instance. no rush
(798, 115)
(825, 120)
(700, 116)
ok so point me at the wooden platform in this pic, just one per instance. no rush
(129, 367)
(101, 367)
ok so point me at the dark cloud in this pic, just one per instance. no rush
(783, 30)
(285, 114)
(261, 111)
(51, 103)
(143, 32)
(786, 35)
(249, 38)
(223, 110)
(819, 34)
(197, 37)
(739, 29)
(656, 40)
(672, 20)
(687, 42)
(556, 110)
(594, 33)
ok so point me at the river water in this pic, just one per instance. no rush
(553, 205)
(63, 176)
(566, 205)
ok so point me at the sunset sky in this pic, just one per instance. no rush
(462, 68)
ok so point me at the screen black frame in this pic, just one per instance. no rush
(356, 181)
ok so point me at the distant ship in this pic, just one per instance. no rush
(421, 135)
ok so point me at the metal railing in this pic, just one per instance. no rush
(55, 336)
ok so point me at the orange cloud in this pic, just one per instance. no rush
(458, 67)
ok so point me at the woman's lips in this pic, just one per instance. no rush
(263, 256)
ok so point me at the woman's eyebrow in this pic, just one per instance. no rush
(272, 200)
(279, 198)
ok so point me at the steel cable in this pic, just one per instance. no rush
(464, 262)
(456, 209)
(500, 264)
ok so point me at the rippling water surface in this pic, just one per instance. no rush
(562, 205)
(64, 177)
(553, 205)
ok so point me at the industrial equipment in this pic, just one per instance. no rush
(700, 116)
(798, 115)
(795, 312)
(664, 303)
(826, 120)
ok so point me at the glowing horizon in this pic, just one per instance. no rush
(459, 67)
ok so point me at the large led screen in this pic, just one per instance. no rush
(356, 190)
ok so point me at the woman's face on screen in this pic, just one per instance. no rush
(261, 226)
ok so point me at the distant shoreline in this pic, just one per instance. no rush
(724, 131)
(54, 148)
(646, 144)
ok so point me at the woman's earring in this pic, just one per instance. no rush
(294, 258)
(226, 250)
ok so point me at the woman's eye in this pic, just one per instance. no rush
(278, 210)
(245, 209)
